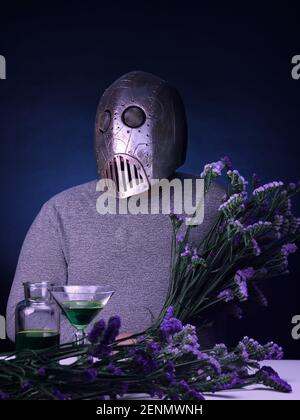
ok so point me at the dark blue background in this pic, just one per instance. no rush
(231, 64)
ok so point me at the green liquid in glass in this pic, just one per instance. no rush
(81, 312)
(36, 339)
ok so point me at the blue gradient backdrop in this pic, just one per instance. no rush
(232, 66)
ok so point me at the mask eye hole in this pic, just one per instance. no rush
(104, 120)
(133, 117)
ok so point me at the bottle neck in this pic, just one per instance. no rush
(37, 292)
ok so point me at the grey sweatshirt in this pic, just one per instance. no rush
(69, 242)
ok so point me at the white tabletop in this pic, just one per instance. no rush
(289, 370)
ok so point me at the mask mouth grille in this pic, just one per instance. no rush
(128, 175)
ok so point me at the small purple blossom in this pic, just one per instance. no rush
(106, 338)
(3, 396)
(292, 186)
(227, 295)
(242, 351)
(274, 352)
(112, 330)
(266, 188)
(227, 162)
(170, 326)
(25, 386)
(234, 203)
(215, 168)
(212, 361)
(59, 395)
(183, 385)
(257, 226)
(179, 238)
(195, 395)
(42, 371)
(187, 251)
(238, 182)
(241, 277)
(143, 360)
(114, 369)
(97, 331)
(255, 247)
(90, 374)
(288, 249)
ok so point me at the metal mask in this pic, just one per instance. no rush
(140, 132)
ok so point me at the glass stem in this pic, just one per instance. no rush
(80, 337)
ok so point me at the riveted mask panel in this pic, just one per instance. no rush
(140, 132)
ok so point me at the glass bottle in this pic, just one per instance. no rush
(37, 318)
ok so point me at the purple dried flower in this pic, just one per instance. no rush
(255, 247)
(170, 326)
(212, 361)
(273, 351)
(183, 386)
(143, 361)
(220, 350)
(3, 396)
(226, 160)
(194, 395)
(258, 227)
(241, 277)
(152, 346)
(227, 295)
(179, 238)
(97, 331)
(107, 337)
(269, 377)
(169, 312)
(187, 251)
(90, 374)
(195, 254)
(234, 203)
(215, 168)
(114, 369)
(25, 386)
(238, 182)
(267, 188)
(112, 330)
(59, 395)
(42, 371)
(292, 186)
(242, 351)
(288, 249)
(169, 379)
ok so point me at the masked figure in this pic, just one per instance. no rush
(140, 137)
(140, 132)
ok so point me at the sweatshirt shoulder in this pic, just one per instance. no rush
(72, 197)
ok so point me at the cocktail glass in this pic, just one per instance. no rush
(81, 304)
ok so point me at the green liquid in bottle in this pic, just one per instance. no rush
(36, 339)
(81, 312)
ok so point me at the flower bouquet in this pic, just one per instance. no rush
(169, 366)
(250, 242)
